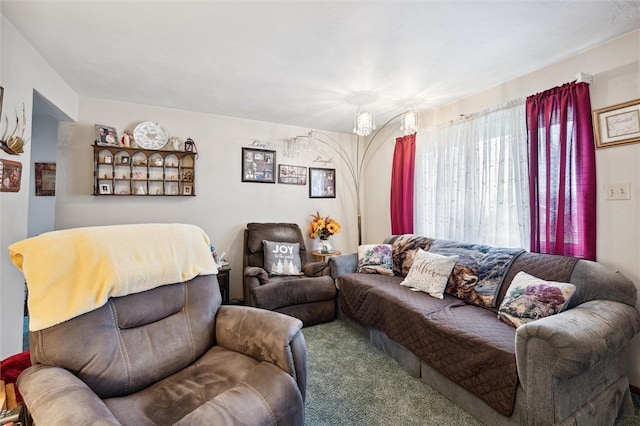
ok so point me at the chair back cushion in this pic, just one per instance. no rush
(136, 340)
(276, 232)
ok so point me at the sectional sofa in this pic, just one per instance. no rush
(567, 367)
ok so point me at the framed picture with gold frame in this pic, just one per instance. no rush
(617, 124)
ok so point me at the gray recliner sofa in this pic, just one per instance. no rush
(167, 355)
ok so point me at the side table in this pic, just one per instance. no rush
(224, 279)
(323, 256)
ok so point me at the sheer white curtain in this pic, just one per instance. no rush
(472, 179)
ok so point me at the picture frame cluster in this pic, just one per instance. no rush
(259, 165)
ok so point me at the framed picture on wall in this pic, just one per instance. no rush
(45, 179)
(322, 183)
(10, 175)
(106, 135)
(258, 165)
(293, 175)
(618, 124)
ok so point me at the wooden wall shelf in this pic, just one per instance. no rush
(143, 172)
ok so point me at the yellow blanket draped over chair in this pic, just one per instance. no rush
(74, 271)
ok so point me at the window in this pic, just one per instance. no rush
(472, 179)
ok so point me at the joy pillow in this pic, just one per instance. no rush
(281, 258)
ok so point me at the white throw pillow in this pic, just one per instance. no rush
(429, 273)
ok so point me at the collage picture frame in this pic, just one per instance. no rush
(292, 175)
(258, 165)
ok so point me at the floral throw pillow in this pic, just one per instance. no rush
(529, 298)
(375, 259)
(281, 258)
(429, 273)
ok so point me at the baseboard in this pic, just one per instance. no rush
(634, 389)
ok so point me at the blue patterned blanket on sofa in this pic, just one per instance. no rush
(479, 272)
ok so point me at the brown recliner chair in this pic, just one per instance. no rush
(168, 355)
(310, 297)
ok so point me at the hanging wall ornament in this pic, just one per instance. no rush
(14, 144)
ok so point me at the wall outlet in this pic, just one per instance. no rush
(617, 191)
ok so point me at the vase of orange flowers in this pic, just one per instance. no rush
(320, 229)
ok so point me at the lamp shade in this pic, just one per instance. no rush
(409, 123)
(364, 123)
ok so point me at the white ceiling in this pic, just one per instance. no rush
(308, 63)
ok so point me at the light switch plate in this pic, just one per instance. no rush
(617, 191)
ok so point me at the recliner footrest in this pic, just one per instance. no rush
(293, 292)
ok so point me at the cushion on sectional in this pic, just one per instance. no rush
(375, 259)
(404, 249)
(429, 273)
(529, 298)
(281, 258)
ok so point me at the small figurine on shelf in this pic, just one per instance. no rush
(126, 139)
(176, 143)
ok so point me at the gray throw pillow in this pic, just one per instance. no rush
(281, 258)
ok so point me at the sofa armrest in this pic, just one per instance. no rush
(253, 277)
(563, 355)
(266, 336)
(255, 271)
(316, 269)
(343, 264)
(55, 396)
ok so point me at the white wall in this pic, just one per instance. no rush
(44, 142)
(22, 70)
(616, 70)
(223, 204)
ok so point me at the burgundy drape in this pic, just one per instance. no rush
(562, 172)
(402, 174)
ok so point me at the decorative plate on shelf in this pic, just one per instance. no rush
(149, 135)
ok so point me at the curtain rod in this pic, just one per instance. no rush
(465, 117)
